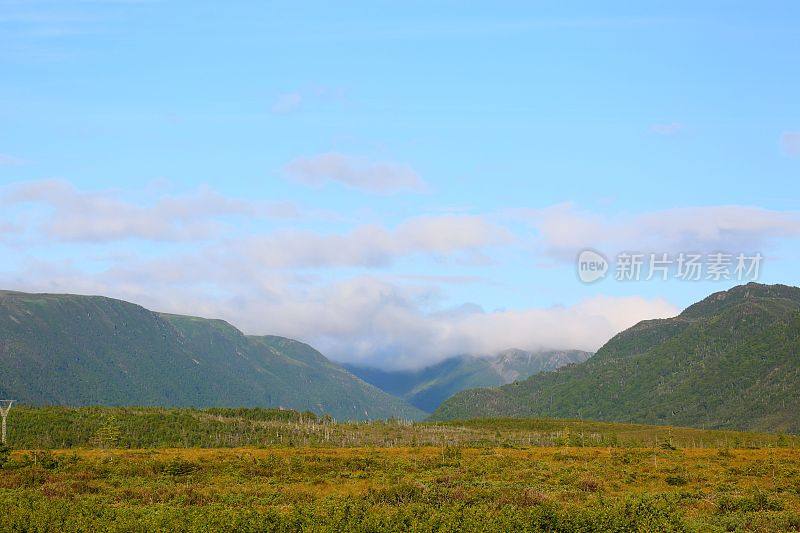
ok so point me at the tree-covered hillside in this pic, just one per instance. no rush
(83, 350)
(729, 361)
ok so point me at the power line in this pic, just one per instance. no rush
(5, 407)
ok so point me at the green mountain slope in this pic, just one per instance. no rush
(82, 350)
(729, 361)
(428, 387)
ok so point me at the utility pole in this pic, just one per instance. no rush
(5, 407)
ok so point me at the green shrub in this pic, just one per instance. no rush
(676, 480)
(41, 458)
(759, 501)
(180, 467)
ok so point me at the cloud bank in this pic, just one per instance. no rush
(462, 237)
(563, 230)
(344, 290)
(362, 319)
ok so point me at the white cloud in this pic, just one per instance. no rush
(563, 229)
(585, 325)
(790, 143)
(287, 103)
(74, 215)
(54, 210)
(446, 236)
(291, 282)
(356, 172)
(362, 319)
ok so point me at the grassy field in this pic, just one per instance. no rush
(254, 470)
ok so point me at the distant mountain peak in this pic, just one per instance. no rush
(427, 387)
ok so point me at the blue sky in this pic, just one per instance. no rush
(395, 182)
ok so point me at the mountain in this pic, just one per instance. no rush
(428, 387)
(729, 361)
(82, 350)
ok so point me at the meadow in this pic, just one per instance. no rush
(147, 469)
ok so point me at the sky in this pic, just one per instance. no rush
(400, 182)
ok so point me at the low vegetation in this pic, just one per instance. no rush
(150, 427)
(129, 469)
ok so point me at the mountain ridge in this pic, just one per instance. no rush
(80, 350)
(728, 361)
